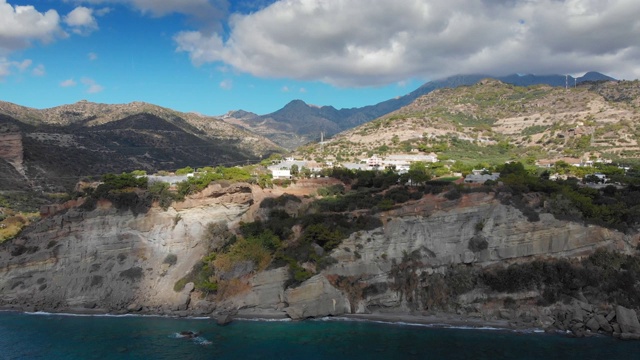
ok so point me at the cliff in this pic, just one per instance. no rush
(112, 261)
(11, 149)
(108, 259)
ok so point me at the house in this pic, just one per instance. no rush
(374, 161)
(480, 176)
(281, 174)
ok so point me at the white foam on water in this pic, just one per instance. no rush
(431, 325)
(201, 341)
(263, 319)
(44, 313)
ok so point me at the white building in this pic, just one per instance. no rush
(281, 174)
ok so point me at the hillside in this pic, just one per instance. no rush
(555, 256)
(298, 123)
(52, 148)
(494, 121)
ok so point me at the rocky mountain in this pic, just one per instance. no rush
(494, 121)
(51, 148)
(298, 123)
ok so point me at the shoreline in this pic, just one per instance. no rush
(441, 320)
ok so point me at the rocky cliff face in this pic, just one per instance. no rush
(110, 260)
(11, 149)
(113, 261)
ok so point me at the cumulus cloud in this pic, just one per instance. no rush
(226, 84)
(102, 11)
(92, 56)
(4, 68)
(208, 13)
(68, 83)
(92, 86)
(39, 70)
(7, 67)
(377, 42)
(81, 21)
(21, 25)
(24, 64)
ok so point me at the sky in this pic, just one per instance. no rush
(213, 56)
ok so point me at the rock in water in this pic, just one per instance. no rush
(628, 320)
(315, 297)
(223, 320)
(188, 334)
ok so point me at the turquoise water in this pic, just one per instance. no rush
(25, 336)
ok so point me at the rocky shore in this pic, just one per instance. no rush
(417, 266)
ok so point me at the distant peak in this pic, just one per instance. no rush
(297, 102)
(594, 76)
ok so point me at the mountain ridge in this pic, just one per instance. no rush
(492, 120)
(328, 120)
(123, 137)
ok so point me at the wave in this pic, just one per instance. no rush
(45, 313)
(263, 319)
(430, 325)
(197, 339)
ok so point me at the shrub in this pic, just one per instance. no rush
(478, 243)
(160, 192)
(170, 259)
(184, 171)
(453, 194)
(460, 279)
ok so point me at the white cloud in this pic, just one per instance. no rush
(92, 86)
(39, 70)
(4, 68)
(226, 84)
(208, 13)
(302, 90)
(7, 67)
(20, 25)
(376, 42)
(103, 11)
(285, 89)
(24, 64)
(191, 7)
(68, 83)
(92, 56)
(81, 20)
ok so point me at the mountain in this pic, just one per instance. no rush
(299, 123)
(52, 148)
(492, 121)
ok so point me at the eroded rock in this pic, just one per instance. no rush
(314, 298)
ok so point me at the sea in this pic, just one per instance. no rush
(54, 336)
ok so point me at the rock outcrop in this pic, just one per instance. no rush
(11, 149)
(315, 297)
(109, 259)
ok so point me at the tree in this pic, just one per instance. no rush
(305, 172)
(184, 171)
(294, 170)
(515, 168)
(418, 173)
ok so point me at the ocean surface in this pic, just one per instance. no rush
(47, 336)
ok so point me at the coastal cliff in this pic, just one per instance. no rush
(110, 260)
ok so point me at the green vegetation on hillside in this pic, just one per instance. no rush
(604, 277)
(132, 191)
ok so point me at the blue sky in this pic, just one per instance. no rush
(212, 56)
